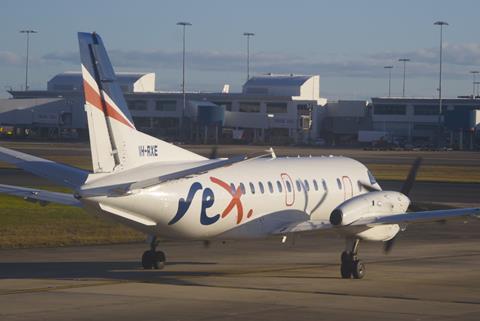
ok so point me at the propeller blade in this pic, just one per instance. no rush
(213, 152)
(388, 245)
(408, 184)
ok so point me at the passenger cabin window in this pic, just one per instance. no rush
(279, 186)
(289, 186)
(252, 188)
(307, 186)
(270, 187)
(339, 183)
(232, 188)
(299, 186)
(315, 184)
(242, 188)
(324, 183)
(260, 186)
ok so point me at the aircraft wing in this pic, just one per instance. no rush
(58, 173)
(306, 226)
(37, 195)
(420, 217)
(126, 188)
(402, 218)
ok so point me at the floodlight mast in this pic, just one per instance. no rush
(27, 32)
(248, 35)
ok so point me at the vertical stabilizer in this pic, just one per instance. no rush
(115, 143)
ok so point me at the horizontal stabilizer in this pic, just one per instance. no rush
(58, 173)
(37, 195)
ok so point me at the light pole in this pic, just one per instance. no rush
(184, 25)
(389, 79)
(476, 87)
(27, 32)
(248, 35)
(404, 60)
(474, 74)
(441, 24)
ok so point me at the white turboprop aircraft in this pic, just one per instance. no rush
(170, 193)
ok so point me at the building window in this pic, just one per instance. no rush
(142, 122)
(380, 109)
(137, 105)
(227, 105)
(426, 109)
(247, 107)
(303, 109)
(166, 105)
(276, 108)
(270, 187)
(279, 185)
(252, 188)
(260, 186)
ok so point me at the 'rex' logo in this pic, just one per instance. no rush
(208, 200)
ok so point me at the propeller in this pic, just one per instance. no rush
(406, 189)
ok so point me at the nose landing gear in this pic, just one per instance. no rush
(351, 266)
(153, 259)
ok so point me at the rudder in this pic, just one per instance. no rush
(115, 143)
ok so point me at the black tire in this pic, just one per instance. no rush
(345, 271)
(160, 256)
(148, 260)
(159, 260)
(358, 269)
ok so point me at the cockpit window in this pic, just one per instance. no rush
(372, 178)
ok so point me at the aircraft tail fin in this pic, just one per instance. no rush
(115, 142)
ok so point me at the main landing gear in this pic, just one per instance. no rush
(153, 259)
(351, 265)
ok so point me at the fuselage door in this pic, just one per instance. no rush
(288, 188)
(347, 187)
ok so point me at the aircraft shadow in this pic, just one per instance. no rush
(122, 271)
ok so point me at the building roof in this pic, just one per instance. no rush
(7, 105)
(73, 79)
(277, 80)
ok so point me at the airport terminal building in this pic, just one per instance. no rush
(270, 108)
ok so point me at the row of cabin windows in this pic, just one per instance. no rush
(262, 188)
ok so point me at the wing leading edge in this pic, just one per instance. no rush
(401, 218)
(37, 195)
(61, 174)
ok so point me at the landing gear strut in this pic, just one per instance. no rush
(351, 265)
(153, 259)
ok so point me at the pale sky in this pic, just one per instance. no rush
(346, 42)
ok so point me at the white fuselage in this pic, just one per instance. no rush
(250, 199)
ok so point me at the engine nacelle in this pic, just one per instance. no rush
(368, 205)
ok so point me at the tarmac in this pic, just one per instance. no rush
(431, 274)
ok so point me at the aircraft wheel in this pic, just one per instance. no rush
(346, 266)
(358, 269)
(148, 260)
(159, 261)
